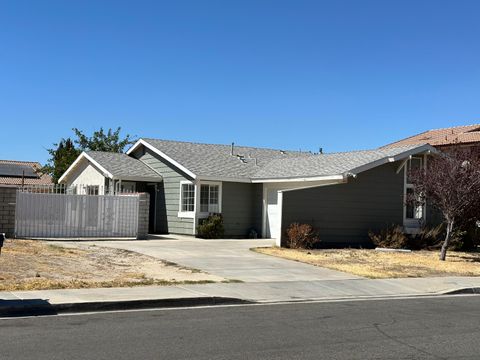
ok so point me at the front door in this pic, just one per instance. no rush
(152, 191)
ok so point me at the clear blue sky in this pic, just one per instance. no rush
(336, 74)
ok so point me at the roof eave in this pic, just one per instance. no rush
(84, 155)
(139, 178)
(425, 148)
(299, 179)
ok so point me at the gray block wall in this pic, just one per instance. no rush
(343, 214)
(143, 216)
(7, 210)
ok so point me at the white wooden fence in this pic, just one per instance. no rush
(56, 215)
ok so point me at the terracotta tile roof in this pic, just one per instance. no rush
(44, 179)
(440, 137)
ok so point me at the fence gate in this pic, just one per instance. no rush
(51, 215)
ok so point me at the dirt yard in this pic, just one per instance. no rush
(35, 265)
(379, 265)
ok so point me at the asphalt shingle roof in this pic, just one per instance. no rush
(327, 164)
(216, 160)
(122, 165)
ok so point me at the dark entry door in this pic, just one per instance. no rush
(157, 223)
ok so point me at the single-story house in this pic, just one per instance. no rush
(343, 195)
(15, 174)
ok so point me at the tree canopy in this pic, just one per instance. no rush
(64, 153)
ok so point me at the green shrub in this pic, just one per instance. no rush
(301, 236)
(211, 227)
(391, 237)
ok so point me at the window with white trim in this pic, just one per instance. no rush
(412, 211)
(209, 198)
(187, 197)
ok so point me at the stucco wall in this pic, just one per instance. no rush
(86, 174)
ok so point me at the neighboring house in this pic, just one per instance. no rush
(15, 174)
(18, 173)
(343, 195)
(467, 135)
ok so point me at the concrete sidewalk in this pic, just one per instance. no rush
(56, 301)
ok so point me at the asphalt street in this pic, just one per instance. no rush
(422, 328)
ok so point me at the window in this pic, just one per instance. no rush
(413, 213)
(209, 198)
(187, 195)
(92, 189)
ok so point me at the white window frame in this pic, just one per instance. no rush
(186, 214)
(412, 222)
(210, 183)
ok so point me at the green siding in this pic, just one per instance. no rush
(343, 214)
(168, 202)
(241, 208)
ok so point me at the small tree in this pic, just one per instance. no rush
(101, 141)
(451, 184)
(63, 154)
(61, 157)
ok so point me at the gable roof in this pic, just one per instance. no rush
(122, 166)
(440, 137)
(17, 167)
(215, 162)
(116, 166)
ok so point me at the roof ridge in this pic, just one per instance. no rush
(21, 161)
(404, 139)
(104, 152)
(451, 127)
(374, 149)
(226, 145)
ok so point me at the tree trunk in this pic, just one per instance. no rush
(443, 252)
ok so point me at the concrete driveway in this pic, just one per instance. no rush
(230, 259)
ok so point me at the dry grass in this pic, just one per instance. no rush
(38, 265)
(378, 265)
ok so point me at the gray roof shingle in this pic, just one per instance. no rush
(328, 164)
(123, 166)
(216, 161)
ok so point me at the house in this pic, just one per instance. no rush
(443, 139)
(343, 195)
(15, 174)
(18, 173)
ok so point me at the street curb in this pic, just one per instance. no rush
(38, 308)
(471, 290)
